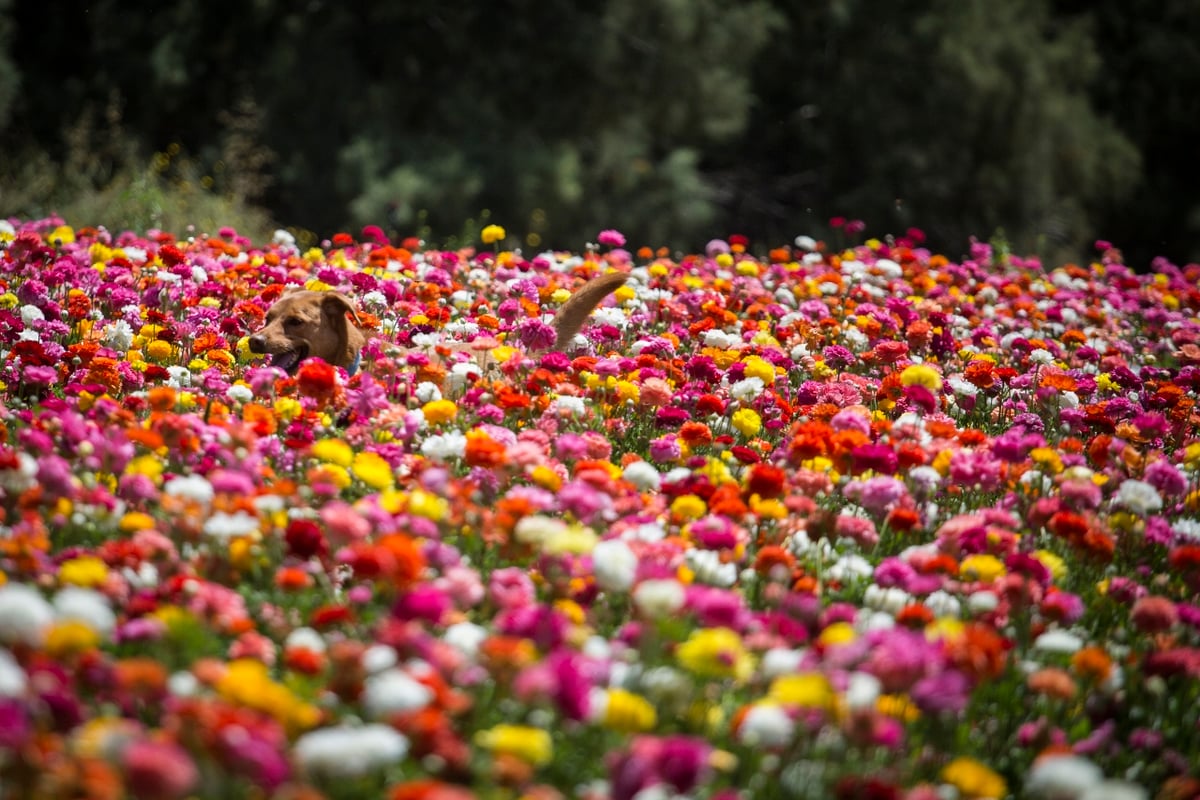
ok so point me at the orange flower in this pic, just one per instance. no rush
(507, 652)
(695, 434)
(260, 418)
(1092, 664)
(208, 340)
(809, 440)
(144, 677)
(403, 561)
(979, 651)
(773, 557)
(292, 579)
(915, 616)
(484, 451)
(1060, 381)
(429, 789)
(1052, 682)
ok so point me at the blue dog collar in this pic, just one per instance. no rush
(353, 368)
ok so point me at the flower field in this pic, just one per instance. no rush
(854, 521)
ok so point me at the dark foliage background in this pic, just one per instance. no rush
(1049, 122)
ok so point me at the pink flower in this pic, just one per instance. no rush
(158, 771)
(511, 587)
(612, 238)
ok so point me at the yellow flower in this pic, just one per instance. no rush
(373, 470)
(973, 779)
(574, 539)
(821, 371)
(746, 421)
(946, 629)
(898, 706)
(688, 507)
(724, 260)
(8, 300)
(627, 390)
(492, 234)
(921, 375)
(338, 476)
(941, 462)
(135, 521)
(439, 411)
(768, 509)
(805, 689)
(247, 683)
(532, 745)
(147, 465)
(61, 235)
(628, 712)
(158, 350)
(1052, 562)
(286, 408)
(983, 566)
(333, 451)
(69, 637)
(759, 367)
(546, 478)
(428, 505)
(716, 653)
(87, 571)
(837, 633)
(1047, 460)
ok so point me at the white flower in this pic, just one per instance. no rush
(183, 684)
(466, 637)
(1115, 790)
(614, 565)
(610, 315)
(12, 678)
(240, 393)
(87, 606)
(862, 691)
(190, 487)
(851, 566)
(24, 614)
(747, 389)
(394, 691)
(167, 277)
(178, 377)
(781, 661)
(1188, 528)
(1041, 356)
(117, 335)
(305, 639)
(1058, 641)
(659, 598)
(569, 406)
(643, 475)
(717, 338)
(534, 529)
(343, 751)
(982, 602)
(709, 569)
(806, 242)
(31, 314)
(145, 576)
(766, 725)
(16, 481)
(198, 274)
(891, 599)
(1062, 777)
(282, 237)
(222, 525)
(379, 657)
(443, 447)
(427, 392)
(1138, 496)
(374, 299)
(943, 604)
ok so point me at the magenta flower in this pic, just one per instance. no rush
(612, 238)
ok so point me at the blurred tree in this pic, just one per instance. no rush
(1150, 88)
(961, 117)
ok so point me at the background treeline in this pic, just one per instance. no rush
(1054, 122)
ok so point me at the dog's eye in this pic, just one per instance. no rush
(293, 321)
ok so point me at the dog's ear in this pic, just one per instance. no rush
(337, 306)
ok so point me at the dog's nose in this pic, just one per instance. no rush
(257, 344)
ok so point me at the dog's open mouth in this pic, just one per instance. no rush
(289, 360)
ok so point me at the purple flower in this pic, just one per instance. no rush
(945, 692)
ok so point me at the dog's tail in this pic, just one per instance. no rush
(570, 318)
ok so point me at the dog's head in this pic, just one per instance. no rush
(303, 324)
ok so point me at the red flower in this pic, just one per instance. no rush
(765, 480)
(317, 379)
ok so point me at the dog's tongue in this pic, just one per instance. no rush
(285, 361)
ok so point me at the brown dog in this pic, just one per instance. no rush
(304, 324)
